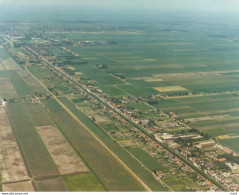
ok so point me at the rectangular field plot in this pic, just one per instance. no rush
(170, 88)
(20, 86)
(12, 165)
(6, 89)
(215, 105)
(146, 159)
(206, 118)
(114, 91)
(51, 185)
(232, 143)
(221, 132)
(135, 91)
(153, 80)
(25, 186)
(168, 103)
(83, 182)
(9, 64)
(3, 54)
(139, 106)
(65, 158)
(27, 78)
(214, 87)
(144, 84)
(39, 116)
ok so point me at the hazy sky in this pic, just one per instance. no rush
(11, 9)
(215, 5)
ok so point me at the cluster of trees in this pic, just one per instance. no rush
(184, 142)
(171, 94)
(193, 130)
(69, 71)
(151, 123)
(197, 152)
(221, 165)
(115, 100)
(230, 158)
(205, 135)
(67, 62)
(120, 75)
(151, 102)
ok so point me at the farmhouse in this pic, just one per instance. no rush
(222, 160)
(225, 150)
(187, 136)
(167, 137)
(205, 144)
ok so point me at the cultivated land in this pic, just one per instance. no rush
(6, 62)
(83, 182)
(34, 151)
(217, 84)
(51, 185)
(17, 187)
(12, 166)
(65, 158)
(6, 88)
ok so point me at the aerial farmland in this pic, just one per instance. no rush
(120, 101)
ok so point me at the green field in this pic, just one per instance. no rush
(139, 106)
(84, 182)
(22, 89)
(4, 54)
(51, 185)
(146, 159)
(233, 143)
(113, 91)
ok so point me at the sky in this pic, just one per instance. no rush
(214, 5)
(41, 8)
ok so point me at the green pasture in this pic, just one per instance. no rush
(84, 182)
(139, 106)
(150, 162)
(4, 54)
(232, 143)
(137, 91)
(21, 87)
(51, 185)
(113, 91)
